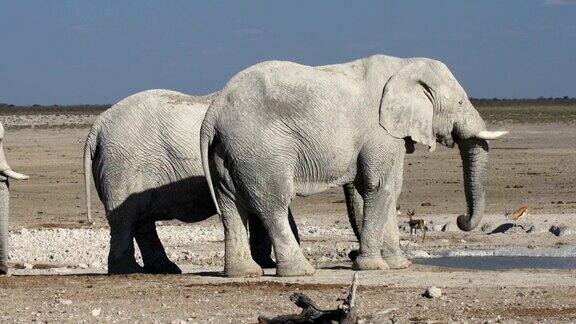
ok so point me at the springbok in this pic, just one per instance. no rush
(518, 214)
(416, 224)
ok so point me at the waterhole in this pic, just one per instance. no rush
(500, 262)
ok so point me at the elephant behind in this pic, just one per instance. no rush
(145, 161)
(6, 173)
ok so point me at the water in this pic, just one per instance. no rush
(500, 262)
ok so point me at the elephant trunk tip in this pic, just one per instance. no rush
(464, 223)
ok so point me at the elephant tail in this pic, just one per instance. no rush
(207, 133)
(89, 151)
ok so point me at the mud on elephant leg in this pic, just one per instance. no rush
(153, 254)
(238, 260)
(121, 258)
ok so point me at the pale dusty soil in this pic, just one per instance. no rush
(533, 166)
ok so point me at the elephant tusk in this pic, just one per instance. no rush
(15, 175)
(490, 135)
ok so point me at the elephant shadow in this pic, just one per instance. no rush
(187, 200)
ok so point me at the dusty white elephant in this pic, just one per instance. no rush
(281, 129)
(145, 159)
(6, 173)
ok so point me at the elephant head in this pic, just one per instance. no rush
(423, 101)
(5, 173)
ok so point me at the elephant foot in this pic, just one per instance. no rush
(398, 261)
(295, 268)
(265, 263)
(165, 267)
(123, 268)
(353, 254)
(370, 262)
(243, 268)
(3, 269)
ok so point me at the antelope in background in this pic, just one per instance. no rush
(416, 224)
(518, 214)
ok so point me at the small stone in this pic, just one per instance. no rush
(532, 228)
(561, 230)
(96, 312)
(82, 266)
(28, 266)
(449, 227)
(66, 302)
(426, 204)
(432, 292)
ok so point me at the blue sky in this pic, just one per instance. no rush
(82, 51)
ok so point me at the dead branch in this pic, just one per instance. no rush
(311, 313)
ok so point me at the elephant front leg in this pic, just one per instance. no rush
(378, 204)
(391, 251)
(153, 255)
(354, 204)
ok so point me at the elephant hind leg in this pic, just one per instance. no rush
(238, 260)
(260, 243)
(153, 255)
(121, 258)
(290, 261)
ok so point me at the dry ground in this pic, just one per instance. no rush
(532, 166)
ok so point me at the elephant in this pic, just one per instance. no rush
(280, 129)
(146, 168)
(6, 173)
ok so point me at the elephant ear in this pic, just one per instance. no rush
(406, 107)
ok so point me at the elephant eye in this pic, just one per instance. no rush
(460, 102)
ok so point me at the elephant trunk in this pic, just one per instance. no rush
(5, 173)
(4, 200)
(474, 153)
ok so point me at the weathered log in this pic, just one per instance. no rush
(311, 313)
